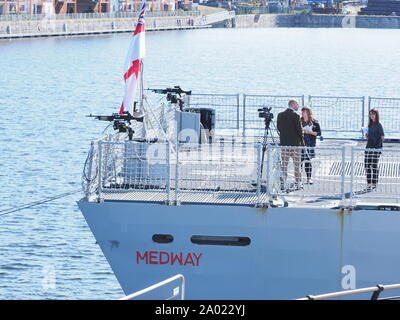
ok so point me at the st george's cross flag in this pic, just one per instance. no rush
(132, 63)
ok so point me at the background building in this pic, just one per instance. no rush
(154, 5)
(10, 7)
(37, 6)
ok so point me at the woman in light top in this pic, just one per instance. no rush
(375, 136)
(311, 130)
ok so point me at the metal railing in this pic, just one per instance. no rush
(379, 169)
(389, 112)
(174, 171)
(376, 291)
(252, 102)
(240, 10)
(287, 167)
(336, 114)
(106, 15)
(231, 169)
(180, 290)
(227, 108)
(348, 174)
(232, 172)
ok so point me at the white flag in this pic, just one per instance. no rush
(132, 63)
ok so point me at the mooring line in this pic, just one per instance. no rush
(36, 203)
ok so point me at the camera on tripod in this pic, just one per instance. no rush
(265, 113)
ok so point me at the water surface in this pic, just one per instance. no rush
(47, 86)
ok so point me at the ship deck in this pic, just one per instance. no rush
(228, 173)
(232, 169)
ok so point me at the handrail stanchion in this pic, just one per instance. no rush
(89, 178)
(99, 168)
(362, 115)
(375, 294)
(351, 176)
(244, 115)
(343, 173)
(177, 174)
(238, 112)
(267, 171)
(259, 173)
(168, 160)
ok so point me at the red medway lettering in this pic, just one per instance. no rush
(153, 257)
(140, 257)
(162, 257)
(175, 257)
(166, 257)
(189, 259)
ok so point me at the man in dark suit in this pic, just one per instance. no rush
(291, 135)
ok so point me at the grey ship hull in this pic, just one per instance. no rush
(289, 252)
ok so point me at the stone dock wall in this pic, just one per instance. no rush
(316, 21)
(70, 27)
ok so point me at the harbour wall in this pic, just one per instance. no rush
(69, 27)
(316, 21)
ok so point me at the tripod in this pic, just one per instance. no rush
(267, 131)
(268, 116)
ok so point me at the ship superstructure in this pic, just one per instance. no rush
(192, 192)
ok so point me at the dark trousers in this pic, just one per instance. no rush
(306, 156)
(371, 159)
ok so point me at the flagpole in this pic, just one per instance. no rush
(133, 66)
(141, 85)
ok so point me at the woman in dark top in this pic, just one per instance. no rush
(311, 130)
(375, 138)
